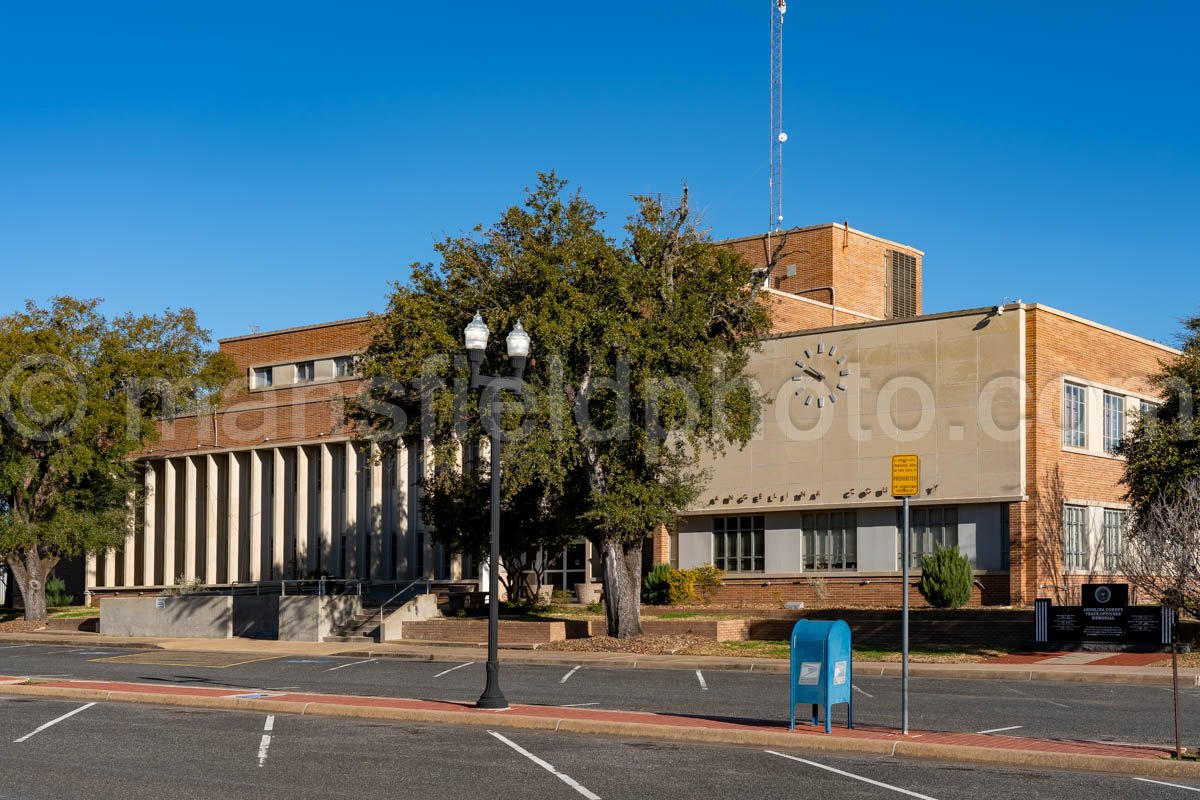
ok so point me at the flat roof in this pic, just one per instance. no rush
(278, 331)
(837, 225)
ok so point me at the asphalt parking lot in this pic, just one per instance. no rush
(1091, 712)
(54, 750)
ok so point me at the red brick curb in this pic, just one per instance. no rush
(1011, 750)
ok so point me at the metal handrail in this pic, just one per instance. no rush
(383, 606)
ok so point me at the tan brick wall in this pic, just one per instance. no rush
(790, 314)
(1059, 345)
(475, 630)
(847, 591)
(855, 264)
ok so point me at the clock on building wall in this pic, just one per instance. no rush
(822, 375)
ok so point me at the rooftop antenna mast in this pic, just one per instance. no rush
(778, 137)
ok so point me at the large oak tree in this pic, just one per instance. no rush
(639, 348)
(79, 394)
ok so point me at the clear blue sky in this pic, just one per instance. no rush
(278, 164)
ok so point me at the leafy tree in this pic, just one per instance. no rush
(1162, 451)
(946, 578)
(79, 393)
(456, 506)
(639, 351)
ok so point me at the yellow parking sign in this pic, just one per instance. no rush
(906, 475)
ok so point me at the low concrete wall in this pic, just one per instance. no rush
(256, 616)
(475, 631)
(200, 616)
(308, 618)
(421, 608)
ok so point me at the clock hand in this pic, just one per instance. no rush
(817, 375)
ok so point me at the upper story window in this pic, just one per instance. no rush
(1075, 537)
(1148, 409)
(1074, 415)
(343, 366)
(1114, 421)
(931, 530)
(262, 378)
(738, 544)
(830, 540)
(306, 371)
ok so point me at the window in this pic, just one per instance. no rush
(1114, 421)
(904, 284)
(262, 378)
(738, 544)
(1074, 415)
(1148, 409)
(343, 366)
(931, 529)
(830, 540)
(305, 372)
(1075, 537)
(1114, 539)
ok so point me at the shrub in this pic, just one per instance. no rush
(655, 590)
(595, 608)
(946, 578)
(56, 593)
(706, 579)
(681, 587)
(185, 586)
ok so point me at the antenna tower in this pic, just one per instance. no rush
(778, 137)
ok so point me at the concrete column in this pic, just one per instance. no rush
(350, 513)
(110, 568)
(301, 508)
(210, 520)
(378, 567)
(400, 510)
(129, 551)
(325, 523)
(190, 504)
(233, 519)
(256, 522)
(89, 581)
(278, 520)
(148, 526)
(168, 553)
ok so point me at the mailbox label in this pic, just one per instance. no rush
(839, 673)
(810, 673)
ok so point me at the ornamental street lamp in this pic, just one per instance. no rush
(517, 345)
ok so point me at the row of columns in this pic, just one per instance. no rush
(317, 545)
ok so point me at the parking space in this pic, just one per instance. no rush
(151, 752)
(1133, 714)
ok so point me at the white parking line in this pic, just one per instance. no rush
(1053, 703)
(852, 775)
(351, 664)
(700, 677)
(564, 678)
(860, 691)
(264, 744)
(1173, 785)
(998, 730)
(41, 728)
(14, 646)
(448, 671)
(567, 779)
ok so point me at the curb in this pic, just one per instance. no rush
(875, 669)
(814, 742)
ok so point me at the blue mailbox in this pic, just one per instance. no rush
(822, 670)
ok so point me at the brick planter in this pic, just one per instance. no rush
(474, 631)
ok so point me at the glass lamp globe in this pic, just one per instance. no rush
(476, 333)
(518, 342)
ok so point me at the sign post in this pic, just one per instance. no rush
(906, 479)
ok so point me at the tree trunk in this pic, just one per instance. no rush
(622, 587)
(30, 575)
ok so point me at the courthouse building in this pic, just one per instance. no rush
(1015, 410)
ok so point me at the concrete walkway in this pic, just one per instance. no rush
(970, 747)
(1037, 667)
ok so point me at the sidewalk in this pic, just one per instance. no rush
(968, 747)
(1096, 668)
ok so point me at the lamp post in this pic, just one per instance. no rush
(517, 344)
